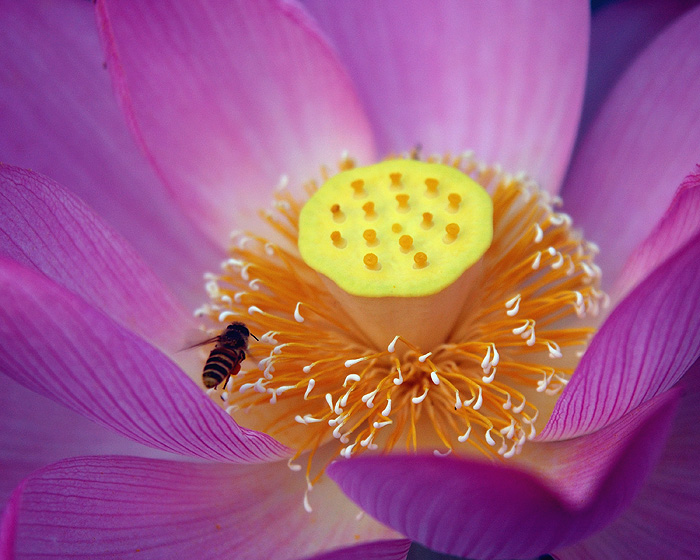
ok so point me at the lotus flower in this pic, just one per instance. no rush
(220, 100)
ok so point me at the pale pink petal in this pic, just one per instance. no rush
(54, 343)
(102, 507)
(505, 80)
(664, 520)
(619, 32)
(644, 347)
(49, 230)
(35, 431)
(488, 510)
(59, 117)
(225, 97)
(680, 222)
(644, 141)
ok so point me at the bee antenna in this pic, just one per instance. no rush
(255, 337)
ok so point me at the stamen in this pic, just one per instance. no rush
(513, 343)
(418, 400)
(309, 387)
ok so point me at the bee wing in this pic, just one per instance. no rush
(203, 342)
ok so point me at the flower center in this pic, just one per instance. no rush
(396, 230)
(400, 228)
(425, 305)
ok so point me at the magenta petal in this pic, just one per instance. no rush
(59, 346)
(664, 520)
(619, 32)
(643, 348)
(49, 230)
(59, 117)
(501, 79)
(486, 510)
(381, 550)
(225, 97)
(644, 141)
(680, 223)
(35, 431)
(107, 507)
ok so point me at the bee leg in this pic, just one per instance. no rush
(225, 382)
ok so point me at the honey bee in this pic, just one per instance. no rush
(225, 358)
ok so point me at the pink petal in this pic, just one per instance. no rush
(680, 222)
(225, 97)
(619, 32)
(61, 119)
(49, 230)
(63, 348)
(106, 507)
(645, 140)
(35, 431)
(487, 510)
(664, 520)
(503, 80)
(643, 348)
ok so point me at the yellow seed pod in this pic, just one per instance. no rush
(423, 238)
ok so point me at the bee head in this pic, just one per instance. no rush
(239, 328)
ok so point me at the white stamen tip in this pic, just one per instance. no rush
(514, 306)
(438, 453)
(307, 505)
(424, 357)
(479, 400)
(350, 363)
(387, 409)
(488, 437)
(464, 437)
(297, 316)
(351, 377)
(487, 359)
(554, 349)
(368, 398)
(310, 386)
(254, 309)
(224, 315)
(489, 378)
(536, 262)
(434, 377)
(392, 345)
(508, 404)
(418, 400)
(539, 233)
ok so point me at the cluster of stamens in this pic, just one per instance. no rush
(318, 379)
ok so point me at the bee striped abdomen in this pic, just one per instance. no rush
(222, 363)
